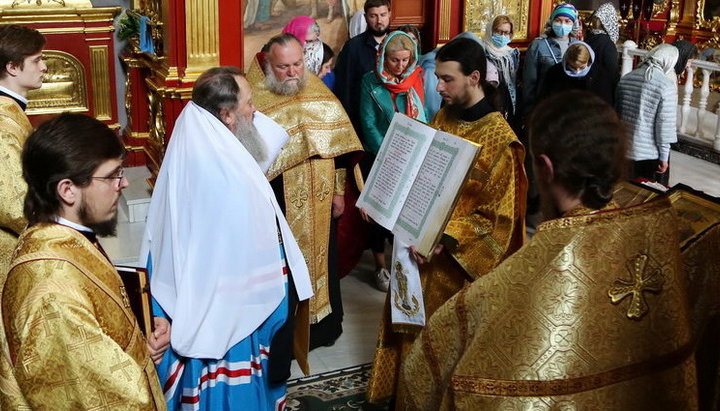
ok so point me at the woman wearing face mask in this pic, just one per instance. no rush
(646, 99)
(548, 50)
(395, 86)
(307, 30)
(570, 74)
(602, 34)
(496, 42)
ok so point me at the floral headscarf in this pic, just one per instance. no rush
(410, 80)
(608, 17)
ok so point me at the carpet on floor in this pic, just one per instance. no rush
(338, 390)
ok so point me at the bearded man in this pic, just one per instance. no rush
(223, 260)
(487, 224)
(308, 177)
(73, 340)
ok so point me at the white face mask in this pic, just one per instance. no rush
(576, 73)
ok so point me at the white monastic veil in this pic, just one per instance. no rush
(211, 235)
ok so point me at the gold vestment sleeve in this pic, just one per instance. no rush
(486, 218)
(340, 177)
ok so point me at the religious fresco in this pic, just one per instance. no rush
(266, 18)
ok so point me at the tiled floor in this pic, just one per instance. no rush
(362, 301)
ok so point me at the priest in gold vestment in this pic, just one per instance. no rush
(487, 224)
(21, 70)
(593, 313)
(74, 342)
(308, 176)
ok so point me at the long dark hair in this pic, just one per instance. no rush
(471, 56)
(585, 141)
(69, 146)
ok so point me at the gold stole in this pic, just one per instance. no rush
(319, 130)
(309, 188)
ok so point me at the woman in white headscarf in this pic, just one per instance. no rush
(603, 32)
(646, 100)
(506, 59)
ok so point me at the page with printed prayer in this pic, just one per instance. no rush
(396, 166)
(431, 200)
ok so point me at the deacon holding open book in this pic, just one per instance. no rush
(478, 195)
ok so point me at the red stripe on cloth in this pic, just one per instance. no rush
(190, 400)
(224, 371)
(173, 377)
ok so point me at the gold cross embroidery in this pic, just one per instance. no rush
(299, 198)
(121, 366)
(105, 403)
(65, 384)
(324, 191)
(643, 278)
(84, 343)
(46, 314)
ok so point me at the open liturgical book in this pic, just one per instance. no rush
(416, 180)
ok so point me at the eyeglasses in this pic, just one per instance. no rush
(117, 176)
(502, 32)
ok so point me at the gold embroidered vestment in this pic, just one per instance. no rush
(14, 130)
(73, 339)
(592, 313)
(319, 130)
(488, 223)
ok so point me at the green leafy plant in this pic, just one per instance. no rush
(127, 26)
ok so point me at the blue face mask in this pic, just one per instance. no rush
(573, 73)
(500, 41)
(562, 30)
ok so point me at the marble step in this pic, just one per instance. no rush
(135, 199)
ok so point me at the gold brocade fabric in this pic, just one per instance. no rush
(591, 314)
(314, 118)
(699, 222)
(14, 130)
(488, 222)
(74, 342)
(319, 130)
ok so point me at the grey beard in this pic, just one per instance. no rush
(283, 88)
(249, 136)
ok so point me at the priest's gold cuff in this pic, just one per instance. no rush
(340, 177)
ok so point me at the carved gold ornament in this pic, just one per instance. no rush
(63, 88)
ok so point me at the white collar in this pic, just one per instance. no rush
(79, 227)
(13, 94)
